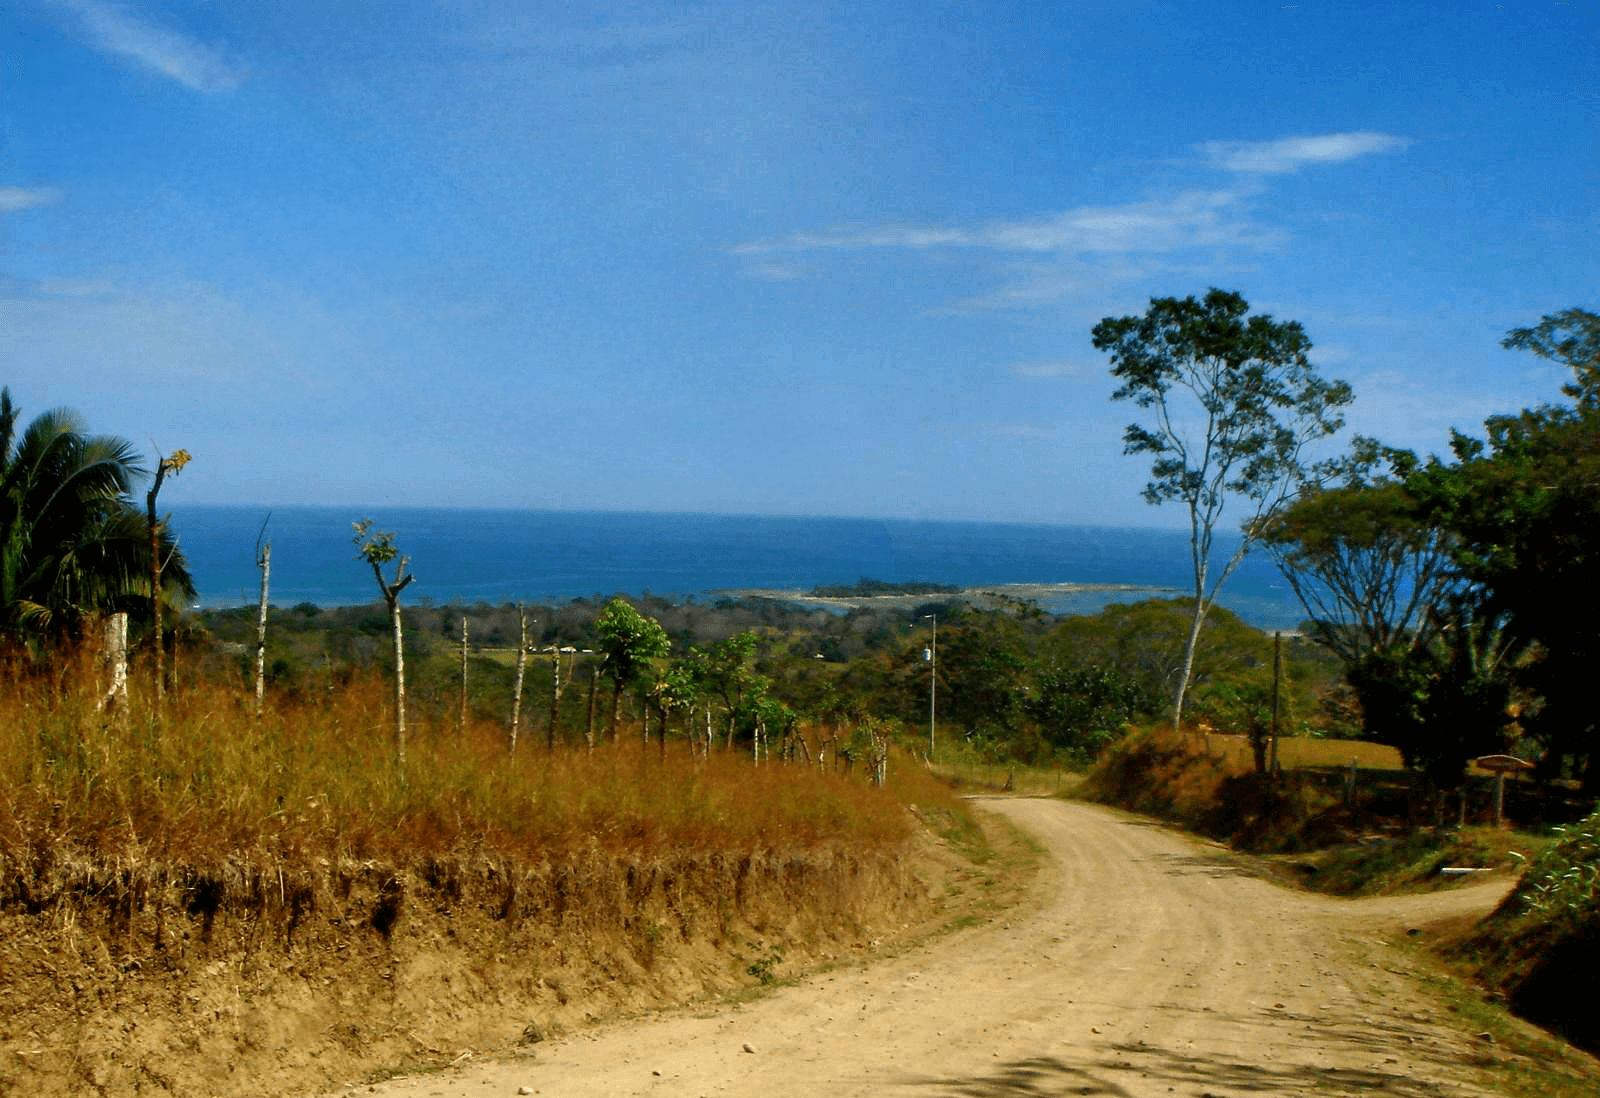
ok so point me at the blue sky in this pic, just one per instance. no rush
(776, 258)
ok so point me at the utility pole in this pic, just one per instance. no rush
(1277, 677)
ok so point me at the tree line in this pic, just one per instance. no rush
(1455, 591)
(1447, 603)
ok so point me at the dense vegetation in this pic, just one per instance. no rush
(1458, 592)
(872, 587)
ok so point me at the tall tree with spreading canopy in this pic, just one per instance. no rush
(1371, 572)
(1235, 402)
(72, 541)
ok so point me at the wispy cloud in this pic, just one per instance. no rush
(1290, 154)
(1190, 219)
(777, 272)
(13, 199)
(115, 29)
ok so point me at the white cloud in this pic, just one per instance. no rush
(1188, 220)
(13, 199)
(777, 272)
(112, 28)
(1290, 154)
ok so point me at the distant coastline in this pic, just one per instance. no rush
(987, 595)
(548, 557)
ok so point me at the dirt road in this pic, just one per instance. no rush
(1143, 965)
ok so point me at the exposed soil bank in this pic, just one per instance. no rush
(1145, 965)
(250, 979)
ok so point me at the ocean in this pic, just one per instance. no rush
(501, 556)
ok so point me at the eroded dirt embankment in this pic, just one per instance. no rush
(257, 979)
(1145, 965)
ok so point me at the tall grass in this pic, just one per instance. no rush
(318, 779)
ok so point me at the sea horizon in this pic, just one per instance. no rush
(472, 555)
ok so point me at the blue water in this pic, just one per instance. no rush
(470, 556)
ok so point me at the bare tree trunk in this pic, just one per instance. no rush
(399, 680)
(155, 587)
(114, 654)
(463, 675)
(264, 561)
(1271, 764)
(164, 465)
(594, 682)
(555, 696)
(616, 708)
(1199, 619)
(377, 549)
(522, 666)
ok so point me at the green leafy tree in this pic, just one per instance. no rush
(1082, 710)
(1235, 402)
(1522, 507)
(982, 665)
(1144, 642)
(1440, 705)
(72, 542)
(1241, 706)
(1371, 571)
(675, 690)
(1572, 339)
(727, 671)
(629, 642)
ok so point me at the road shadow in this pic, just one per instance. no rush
(1040, 1075)
(1206, 865)
(1388, 1051)
(1184, 1075)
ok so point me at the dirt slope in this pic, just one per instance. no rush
(1144, 964)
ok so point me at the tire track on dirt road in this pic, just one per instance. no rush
(1144, 965)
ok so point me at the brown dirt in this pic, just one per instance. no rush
(138, 980)
(1142, 964)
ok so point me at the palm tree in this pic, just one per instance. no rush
(72, 541)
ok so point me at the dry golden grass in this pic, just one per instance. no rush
(282, 907)
(1301, 752)
(209, 781)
